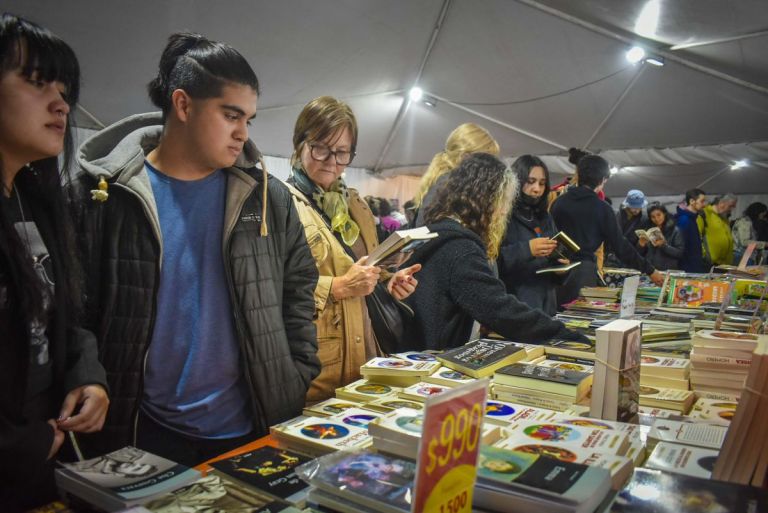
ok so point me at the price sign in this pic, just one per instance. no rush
(450, 442)
(629, 297)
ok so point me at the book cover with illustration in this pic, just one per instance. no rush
(329, 407)
(504, 413)
(696, 292)
(526, 436)
(269, 469)
(654, 491)
(320, 436)
(364, 390)
(123, 478)
(480, 358)
(399, 366)
(448, 377)
(552, 380)
(420, 391)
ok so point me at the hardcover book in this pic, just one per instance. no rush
(480, 358)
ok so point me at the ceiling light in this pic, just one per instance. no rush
(635, 54)
(656, 61)
(739, 164)
(415, 94)
(614, 170)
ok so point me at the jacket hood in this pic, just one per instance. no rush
(117, 154)
(682, 211)
(447, 230)
(581, 192)
(108, 152)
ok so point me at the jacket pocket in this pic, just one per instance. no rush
(317, 245)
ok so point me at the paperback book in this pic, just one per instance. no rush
(683, 459)
(481, 357)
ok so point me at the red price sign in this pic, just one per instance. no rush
(450, 442)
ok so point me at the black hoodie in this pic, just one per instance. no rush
(590, 221)
(457, 287)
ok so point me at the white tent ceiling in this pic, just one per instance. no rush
(541, 75)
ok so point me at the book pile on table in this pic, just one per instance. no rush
(609, 294)
(400, 372)
(617, 386)
(667, 398)
(480, 358)
(315, 436)
(664, 372)
(720, 360)
(720, 408)
(541, 386)
(744, 456)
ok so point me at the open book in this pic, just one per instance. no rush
(559, 268)
(652, 234)
(400, 241)
(566, 247)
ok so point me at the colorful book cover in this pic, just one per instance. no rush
(420, 391)
(552, 436)
(448, 377)
(399, 366)
(324, 433)
(270, 470)
(358, 417)
(481, 357)
(654, 491)
(693, 293)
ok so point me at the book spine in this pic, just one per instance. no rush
(720, 361)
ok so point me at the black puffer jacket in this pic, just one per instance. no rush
(457, 287)
(271, 278)
(668, 256)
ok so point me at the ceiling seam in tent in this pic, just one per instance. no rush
(722, 40)
(647, 178)
(500, 123)
(657, 48)
(352, 96)
(91, 116)
(616, 105)
(404, 105)
(702, 184)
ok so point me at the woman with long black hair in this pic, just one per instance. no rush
(50, 378)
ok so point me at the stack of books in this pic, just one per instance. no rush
(583, 350)
(401, 372)
(666, 398)
(480, 358)
(447, 377)
(541, 387)
(616, 389)
(610, 294)
(744, 456)
(720, 409)
(317, 436)
(363, 391)
(665, 372)
(720, 360)
(525, 482)
(566, 363)
(420, 391)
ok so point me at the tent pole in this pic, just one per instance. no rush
(731, 39)
(702, 184)
(633, 39)
(90, 116)
(406, 101)
(616, 104)
(500, 123)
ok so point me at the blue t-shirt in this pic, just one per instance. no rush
(193, 381)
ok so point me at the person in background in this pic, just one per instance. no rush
(747, 228)
(664, 254)
(410, 213)
(527, 246)
(200, 278)
(51, 381)
(396, 214)
(388, 222)
(341, 232)
(715, 229)
(688, 212)
(465, 139)
(590, 222)
(631, 217)
(458, 291)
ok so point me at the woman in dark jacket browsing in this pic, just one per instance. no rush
(663, 254)
(527, 246)
(457, 286)
(50, 378)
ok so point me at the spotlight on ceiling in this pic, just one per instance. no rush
(635, 54)
(655, 61)
(739, 164)
(429, 101)
(415, 94)
(614, 170)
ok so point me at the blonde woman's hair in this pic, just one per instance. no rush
(480, 195)
(465, 139)
(319, 119)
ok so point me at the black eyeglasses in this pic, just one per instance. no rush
(322, 152)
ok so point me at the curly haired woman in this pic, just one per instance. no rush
(457, 286)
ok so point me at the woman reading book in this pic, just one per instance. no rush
(457, 287)
(527, 246)
(663, 250)
(50, 378)
(341, 232)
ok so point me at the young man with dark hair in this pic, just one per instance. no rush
(200, 279)
(590, 222)
(688, 212)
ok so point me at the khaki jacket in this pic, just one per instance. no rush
(340, 324)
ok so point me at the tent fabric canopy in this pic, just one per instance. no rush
(540, 75)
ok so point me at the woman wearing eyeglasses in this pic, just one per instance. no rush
(341, 232)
